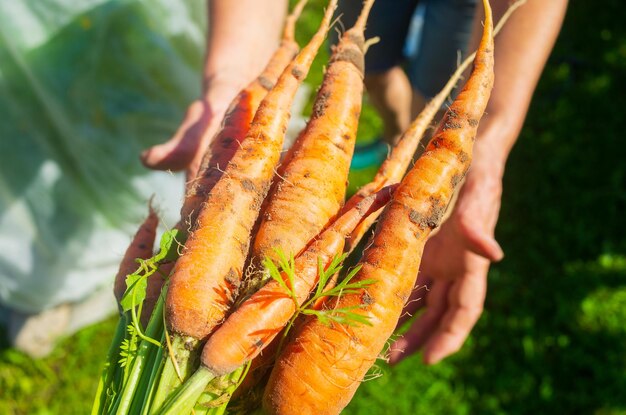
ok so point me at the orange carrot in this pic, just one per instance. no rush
(141, 247)
(260, 318)
(237, 121)
(311, 183)
(265, 360)
(398, 160)
(253, 325)
(319, 371)
(206, 276)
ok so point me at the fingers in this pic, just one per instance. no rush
(189, 140)
(453, 310)
(193, 168)
(465, 306)
(417, 299)
(421, 330)
(482, 243)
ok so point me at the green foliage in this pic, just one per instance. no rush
(287, 266)
(128, 348)
(326, 274)
(136, 358)
(170, 245)
(137, 282)
(136, 285)
(62, 383)
(339, 315)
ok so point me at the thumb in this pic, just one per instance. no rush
(193, 168)
(482, 244)
(178, 152)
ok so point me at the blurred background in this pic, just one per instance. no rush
(552, 339)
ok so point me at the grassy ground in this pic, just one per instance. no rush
(553, 336)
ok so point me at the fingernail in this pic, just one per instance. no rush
(431, 358)
(495, 252)
(395, 358)
(396, 352)
(500, 253)
(144, 154)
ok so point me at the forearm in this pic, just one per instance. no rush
(521, 51)
(242, 36)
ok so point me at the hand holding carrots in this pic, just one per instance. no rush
(454, 269)
(235, 55)
(185, 149)
(456, 260)
(321, 363)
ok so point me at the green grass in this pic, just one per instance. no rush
(553, 334)
(62, 383)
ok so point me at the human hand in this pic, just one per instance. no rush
(454, 269)
(184, 151)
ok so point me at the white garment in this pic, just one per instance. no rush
(85, 85)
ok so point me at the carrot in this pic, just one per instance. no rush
(141, 247)
(237, 121)
(311, 183)
(221, 152)
(210, 269)
(399, 159)
(262, 316)
(206, 277)
(263, 362)
(319, 371)
(259, 319)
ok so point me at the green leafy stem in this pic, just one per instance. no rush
(284, 274)
(132, 352)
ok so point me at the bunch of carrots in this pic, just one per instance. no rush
(245, 307)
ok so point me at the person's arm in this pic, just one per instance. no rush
(522, 49)
(456, 259)
(242, 35)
